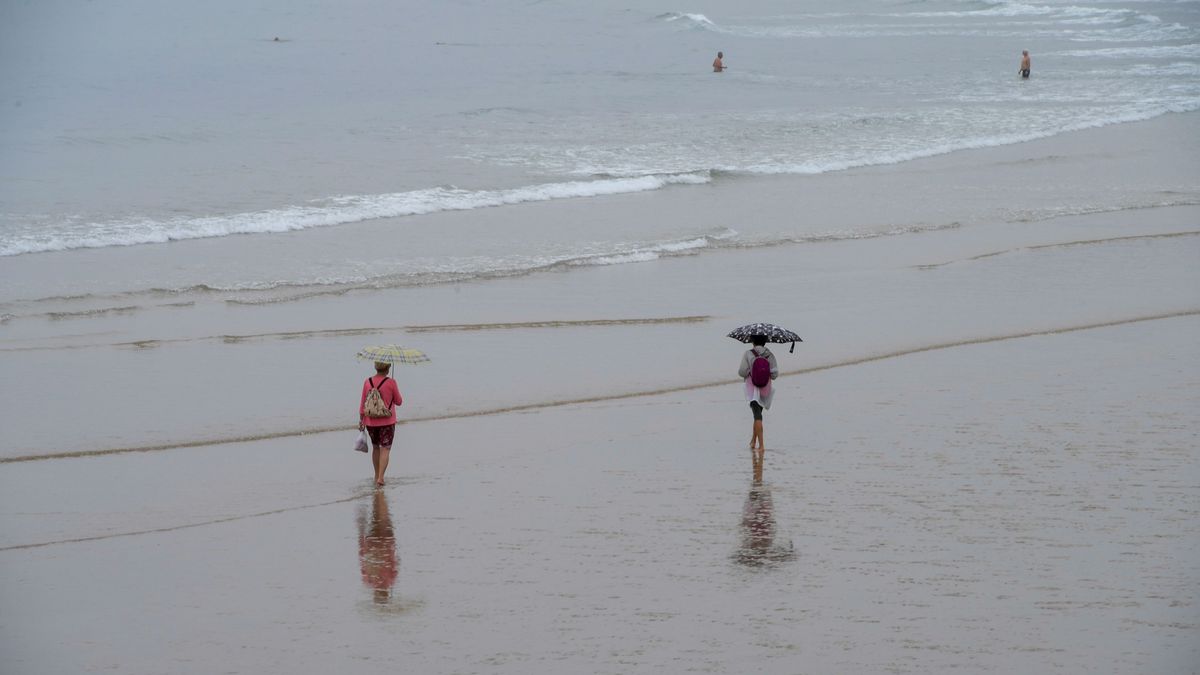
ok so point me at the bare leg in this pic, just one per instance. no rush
(756, 430)
(758, 434)
(381, 465)
(375, 460)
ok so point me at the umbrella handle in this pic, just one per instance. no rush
(793, 349)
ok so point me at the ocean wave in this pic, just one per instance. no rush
(1139, 32)
(481, 268)
(819, 143)
(606, 180)
(619, 254)
(1020, 9)
(975, 19)
(655, 251)
(415, 273)
(333, 211)
(687, 19)
(442, 271)
(90, 313)
(1051, 213)
(1190, 51)
(969, 143)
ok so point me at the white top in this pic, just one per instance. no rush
(762, 395)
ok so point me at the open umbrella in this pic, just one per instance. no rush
(393, 354)
(770, 331)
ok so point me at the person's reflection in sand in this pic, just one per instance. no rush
(377, 548)
(758, 526)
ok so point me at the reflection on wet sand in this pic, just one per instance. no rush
(758, 546)
(377, 548)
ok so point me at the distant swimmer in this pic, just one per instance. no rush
(718, 66)
(1025, 64)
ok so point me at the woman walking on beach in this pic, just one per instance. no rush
(759, 369)
(377, 413)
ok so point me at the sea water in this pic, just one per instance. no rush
(134, 124)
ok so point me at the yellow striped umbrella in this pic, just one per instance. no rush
(393, 354)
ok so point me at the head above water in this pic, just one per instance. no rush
(720, 55)
(382, 368)
(758, 340)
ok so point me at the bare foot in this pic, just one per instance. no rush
(379, 482)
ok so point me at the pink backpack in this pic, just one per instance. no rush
(760, 371)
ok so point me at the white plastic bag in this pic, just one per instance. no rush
(364, 441)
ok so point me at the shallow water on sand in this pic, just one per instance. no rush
(1021, 506)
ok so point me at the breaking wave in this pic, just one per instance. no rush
(445, 271)
(333, 211)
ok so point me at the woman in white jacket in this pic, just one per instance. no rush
(759, 397)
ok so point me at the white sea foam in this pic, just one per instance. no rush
(1020, 9)
(429, 271)
(1191, 51)
(1105, 24)
(813, 144)
(647, 253)
(691, 20)
(448, 270)
(681, 246)
(334, 211)
(639, 256)
(1132, 114)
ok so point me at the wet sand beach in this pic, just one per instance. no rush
(1027, 505)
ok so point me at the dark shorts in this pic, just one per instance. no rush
(756, 409)
(381, 437)
(1025, 73)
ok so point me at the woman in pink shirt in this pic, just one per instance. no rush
(381, 429)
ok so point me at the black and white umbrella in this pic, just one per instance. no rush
(770, 331)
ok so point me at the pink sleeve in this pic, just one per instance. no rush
(362, 401)
(396, 399)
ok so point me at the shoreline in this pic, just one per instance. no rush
(828, 201)
(602, 186)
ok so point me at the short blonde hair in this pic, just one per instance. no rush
(381, 367)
